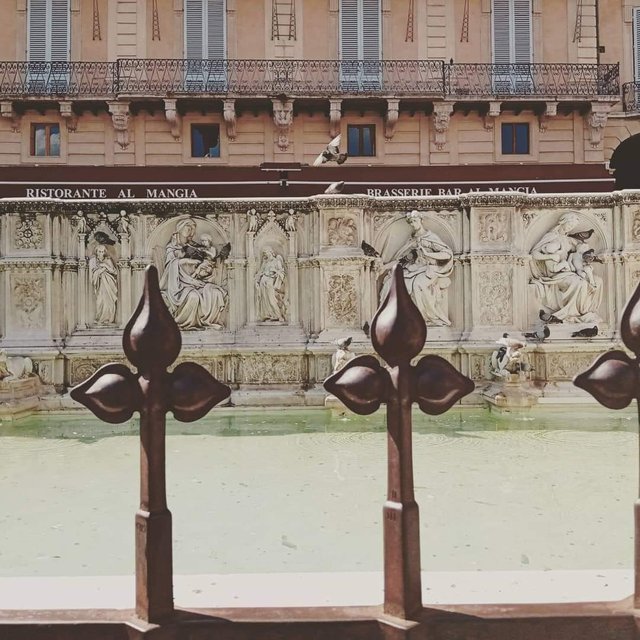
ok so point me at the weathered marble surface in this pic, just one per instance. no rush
(263, 288)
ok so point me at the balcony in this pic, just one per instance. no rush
(631, 97)
(435, 79)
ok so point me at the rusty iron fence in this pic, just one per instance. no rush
(631, 96)
(131, 77)
(152, 342)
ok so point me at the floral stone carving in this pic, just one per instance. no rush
(342, 301)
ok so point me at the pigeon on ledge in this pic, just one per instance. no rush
(587, 332)
(539, 335)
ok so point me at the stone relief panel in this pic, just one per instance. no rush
(266, 368)
(563, 276)
(564, 366)
(493, 226)
(193, 274)
(342, 231)
(83, 368)
(495, 295)
(342, 300)
(28, 292)
(427, 263)
(271, 275)
(28, 233)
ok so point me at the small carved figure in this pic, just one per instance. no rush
(81, 222)
(290, 222)
(104, 277)
(508, 358)
(270, 287)
(331, 153)
(342, 354)
(252, 221)
(124, 225)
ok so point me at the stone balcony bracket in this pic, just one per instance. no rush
(335, 114)
(491, 115)
(120, 116)
(391, 119)
(283, 119)
(441, 117)
(229, 115)
(7, 111)
(550, 111)
(68, 115)
(596, 121)
(173, 117)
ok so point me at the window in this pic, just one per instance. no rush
(45, 140)
(48, 35)
(515, 138)
(204, 29)
(360, 40)
(205, 141)
(512, 51)
(361, 140)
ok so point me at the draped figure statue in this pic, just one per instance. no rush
(104, 278)
(187, 285)
(270, 287)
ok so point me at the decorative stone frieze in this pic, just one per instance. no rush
(28, 233)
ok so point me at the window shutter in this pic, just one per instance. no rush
(349, 49)
(59, 30)
(371, 30)
(37, 36)
(636, 43)
(522, 31)
(194, 29)
(501, 32)
(216, 49)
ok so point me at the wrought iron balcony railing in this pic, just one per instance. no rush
(541, 79)
(72, 79)
(397, 78)
(631, 96)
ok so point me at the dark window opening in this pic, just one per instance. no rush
(45, 140)
(515, 138)
(205, 141)
(361, 140)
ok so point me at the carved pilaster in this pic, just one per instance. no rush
(6, 111)
(283, 119)
(67, 114)
(550, 110)
(120, 117)
(597, 120)
(391, 119)
(441, 117)
(229, 114)
(335, 113)
(173, 117)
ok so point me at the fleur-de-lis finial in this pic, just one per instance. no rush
(398, 334)
(152, 342)
(614, 381)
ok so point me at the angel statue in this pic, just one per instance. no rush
(187, 284)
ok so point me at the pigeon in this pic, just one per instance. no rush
(102, 238)
(366, 328)
(368, 250)
(581, 235)
(335, 187)
(344, 342)
(331, 153)
(539, 335)
(224, 252)
(510, 343)
(587, 332)
(548, 318)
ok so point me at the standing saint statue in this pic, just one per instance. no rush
(270, 287)
(187, 285)
(104, 278)
(427, 263)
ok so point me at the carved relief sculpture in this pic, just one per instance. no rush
(29, 234)
(341, 232)
(342, 299)
(342, 354)
(270, 290)
(493, 227)
(635, 230)
(427, 263)
(14, 367)
(564, 280)
(104, 278)
(188, 287)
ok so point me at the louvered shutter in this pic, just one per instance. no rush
(349, 49)
(522, 32)
(636, 44)
(216, 49)
(370, 29)
(501, 21)
(37, 35)
(194, 29)
(59, 30)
